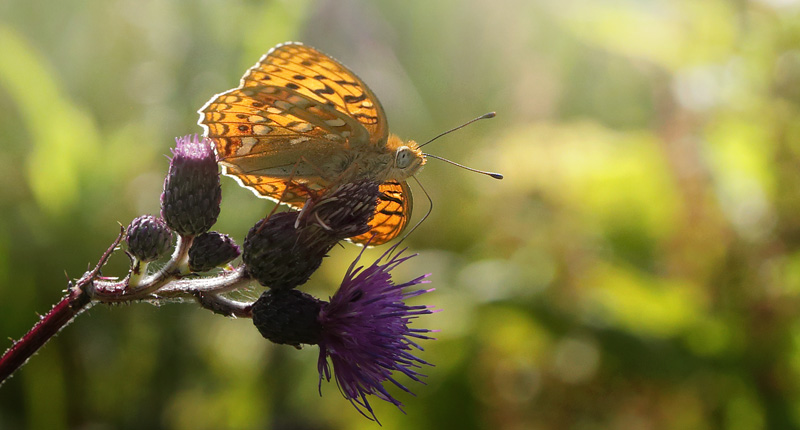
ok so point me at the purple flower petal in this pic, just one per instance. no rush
(365, 332)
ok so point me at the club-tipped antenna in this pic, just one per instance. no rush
(484, 116)
(492, 174)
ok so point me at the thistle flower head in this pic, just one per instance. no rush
(192, 193)
(366, 334)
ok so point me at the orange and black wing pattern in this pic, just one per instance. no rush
(391, 215)
(316, 76)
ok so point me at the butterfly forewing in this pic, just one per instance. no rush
(257, 121)
(319, 77)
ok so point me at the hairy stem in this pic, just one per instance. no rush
(166, 284)
(224, 306)
(76, 300)
(59, 316)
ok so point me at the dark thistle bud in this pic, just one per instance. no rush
(283, 251)
(347, 210)
(192, 194)
(288, 317)
(210, 250)
(279, 255)
(148, 238)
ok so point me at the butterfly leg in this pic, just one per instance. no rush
(314, 199)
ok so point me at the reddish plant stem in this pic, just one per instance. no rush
(76, 300)
(59, 316)
(93, 288)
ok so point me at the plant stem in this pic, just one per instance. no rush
(166, 284)
(76, 300)
(59, 316)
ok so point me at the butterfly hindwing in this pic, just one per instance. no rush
(391, 215)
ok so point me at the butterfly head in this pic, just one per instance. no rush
(408, 157)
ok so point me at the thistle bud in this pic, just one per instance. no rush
(283, 251)
(347, 210)
(288, 317)
(210, 250)
(148, 238)
(192, 193)
(280, 256)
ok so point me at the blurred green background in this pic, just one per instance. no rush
(638, 268)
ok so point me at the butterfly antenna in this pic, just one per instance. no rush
(430, 209)
(483, 172)
(484, 116)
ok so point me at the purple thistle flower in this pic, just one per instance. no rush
(365, 332)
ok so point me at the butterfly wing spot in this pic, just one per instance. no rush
(338, 122)
(300, 127)
(212, 117)
(355, 99)
(247, 145)
(324, 91)
(283, 105)
(366, 119)
(261, 130)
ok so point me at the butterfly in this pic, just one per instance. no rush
(301, 123)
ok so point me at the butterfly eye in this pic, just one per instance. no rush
(403, 157)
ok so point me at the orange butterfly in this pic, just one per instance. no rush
(299, 123)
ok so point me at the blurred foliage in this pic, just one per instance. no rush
(638, 268)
